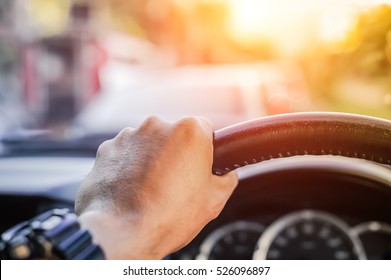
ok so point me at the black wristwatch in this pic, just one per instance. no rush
(55, 234)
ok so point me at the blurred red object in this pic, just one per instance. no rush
(278, 104)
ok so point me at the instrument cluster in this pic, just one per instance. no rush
(303, 234)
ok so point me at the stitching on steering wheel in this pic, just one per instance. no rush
(289, 154)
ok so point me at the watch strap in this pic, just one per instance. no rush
(55, 234)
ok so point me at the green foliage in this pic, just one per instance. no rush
(357, 81)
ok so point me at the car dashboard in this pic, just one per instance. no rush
(307, 207)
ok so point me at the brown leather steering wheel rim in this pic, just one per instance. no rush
(296, 134)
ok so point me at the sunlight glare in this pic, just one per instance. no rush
(337, 27)
(251, 17)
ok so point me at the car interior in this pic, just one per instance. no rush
(303, 114)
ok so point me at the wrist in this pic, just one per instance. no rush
(119, 238)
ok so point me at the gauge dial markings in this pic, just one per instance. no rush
(233, 241)
(309, 234)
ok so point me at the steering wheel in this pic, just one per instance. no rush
(297, 134)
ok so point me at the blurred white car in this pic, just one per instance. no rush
(225, 94)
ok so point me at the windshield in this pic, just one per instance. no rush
(80, 68)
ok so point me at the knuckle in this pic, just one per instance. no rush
(187, 123)
(126, 132)
(190, 126)
(150, 124)
(103, 148)
(151, 120)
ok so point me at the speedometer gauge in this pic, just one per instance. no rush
(376, 238)
(235, 241)
(309, 235)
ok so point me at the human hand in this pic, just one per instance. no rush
(152, 190)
